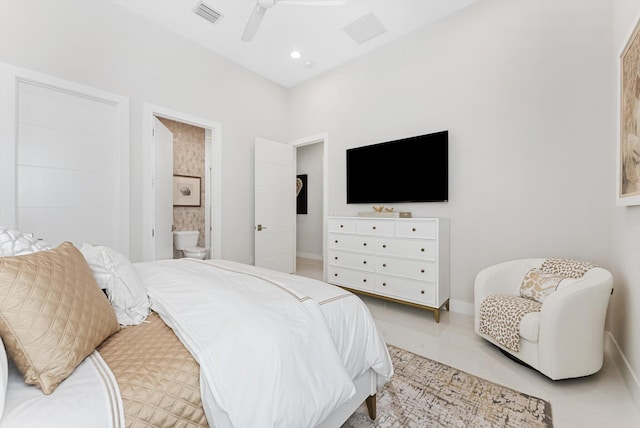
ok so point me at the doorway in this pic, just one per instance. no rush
(212, 179)
(311, 205)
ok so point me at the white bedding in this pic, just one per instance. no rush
(253, 371)
(89, 398)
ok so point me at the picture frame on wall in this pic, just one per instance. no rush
(186, 191)
(628, 152)
(301, 194)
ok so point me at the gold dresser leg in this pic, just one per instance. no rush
(436, 315)
(371, 406)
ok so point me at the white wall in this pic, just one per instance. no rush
(309, 236)
(524, 90)
(100, 44)
(624, 317)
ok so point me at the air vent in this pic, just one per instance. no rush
(207, 12)
(365, 28)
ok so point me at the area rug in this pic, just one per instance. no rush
(425, 393)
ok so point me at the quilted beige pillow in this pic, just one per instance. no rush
(52, 314)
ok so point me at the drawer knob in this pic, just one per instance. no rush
(413, 229)
(336, 241)
(365, 262)
(421, 249)
(342, 225)
(421, 270)
(384, 284)
(335, 274)
(364, 280)
(335, 258)
(384, 265)
(365, 244)
(421, 291)
(374, 228)
(384, 245)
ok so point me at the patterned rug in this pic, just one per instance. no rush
(425, 393)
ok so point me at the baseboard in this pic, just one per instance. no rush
(309, 255)
(629, 376)
(461, 307)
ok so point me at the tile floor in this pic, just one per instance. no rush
(598, 401)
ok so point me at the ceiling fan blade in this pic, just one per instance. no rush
(253, 23)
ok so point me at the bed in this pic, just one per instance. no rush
(178, 343)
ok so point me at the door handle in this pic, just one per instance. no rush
(261, 228)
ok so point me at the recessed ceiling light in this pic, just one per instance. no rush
(308, 64)
(295, 55)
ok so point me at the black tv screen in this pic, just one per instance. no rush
(414, 169)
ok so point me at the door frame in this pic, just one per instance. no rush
(213, 176)
(305, 141)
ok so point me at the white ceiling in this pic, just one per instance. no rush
(316, 31)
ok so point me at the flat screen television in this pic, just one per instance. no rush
(414, 169)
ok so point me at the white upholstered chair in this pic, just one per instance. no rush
(563, 340)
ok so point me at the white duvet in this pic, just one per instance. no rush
(267, 356)
(275, 350)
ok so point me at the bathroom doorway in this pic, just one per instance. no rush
(196, 157)
(189, 163)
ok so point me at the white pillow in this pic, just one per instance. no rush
(15, 243)
(115, 273)
(4, 375)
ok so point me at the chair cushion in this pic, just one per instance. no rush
(530, 327)
(52, 314)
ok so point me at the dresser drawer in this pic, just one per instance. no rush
(375, 227)
(415, 249)
(423, 293)
(363, 244)
(412, 269)
(342, 225)
(358, 280)
(352, 260)
(416, 229)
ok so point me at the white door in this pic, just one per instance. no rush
(163, 191)
(69, 168)
(274, 228)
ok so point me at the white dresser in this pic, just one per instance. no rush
(401, 259)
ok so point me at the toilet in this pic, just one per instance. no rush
(187, 242)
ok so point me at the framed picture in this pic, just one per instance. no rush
(301, 194)
(186, 191)
(628, 156)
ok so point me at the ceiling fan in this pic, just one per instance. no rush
(261, 8)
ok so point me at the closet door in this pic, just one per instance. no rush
(71, 162)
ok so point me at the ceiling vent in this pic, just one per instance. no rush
(207, 12)
(365, 28)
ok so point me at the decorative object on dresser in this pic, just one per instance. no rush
(385, 214)
(397, 259)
